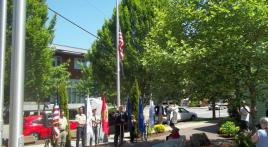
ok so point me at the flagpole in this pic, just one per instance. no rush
(17, 74)
(117, 55)
(3, 12)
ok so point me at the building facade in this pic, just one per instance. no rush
(75, 57)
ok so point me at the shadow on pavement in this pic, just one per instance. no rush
(210, 129)
(137, 144)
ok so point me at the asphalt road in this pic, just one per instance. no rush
(202, 112)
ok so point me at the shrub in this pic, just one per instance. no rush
(159, 128)
(150, 130)
(229, 128)
(227, 119)
(244, 140)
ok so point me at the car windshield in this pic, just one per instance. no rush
(38, 121)
(182, 110)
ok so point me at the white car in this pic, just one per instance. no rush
(218, 106)
(181, 114)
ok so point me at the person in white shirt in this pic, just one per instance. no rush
(95, 124)
(81, 128)
(63, 123)
(244, 113)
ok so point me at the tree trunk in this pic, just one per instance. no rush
(213, 108)
(38, 106)
(253, 97)
(235, 103)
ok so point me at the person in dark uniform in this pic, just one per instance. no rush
(120, 119)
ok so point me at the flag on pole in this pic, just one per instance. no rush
(151, 113)
(120, 45)
(129, 113)
(141, 117)
(104, 116)
(55, 120)
(89, 115)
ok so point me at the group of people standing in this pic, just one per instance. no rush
(60, 127)
(81, 128)
(168, 111)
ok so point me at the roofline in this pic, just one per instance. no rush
(68, 49)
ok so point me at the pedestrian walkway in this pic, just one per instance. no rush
(186, 128)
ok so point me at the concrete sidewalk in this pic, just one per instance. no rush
(186, 128)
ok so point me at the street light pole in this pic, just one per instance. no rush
(17, 74)
(3, 13)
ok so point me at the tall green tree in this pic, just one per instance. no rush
(134, 100)
(215, 47)
(38, 54)
(86, 86)
(136, 20)
(63, 101)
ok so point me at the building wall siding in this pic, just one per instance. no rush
(75, 73)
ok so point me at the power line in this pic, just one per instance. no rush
(73, 23)
(97, 8)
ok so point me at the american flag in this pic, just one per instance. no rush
(121, 45)
(55, 120)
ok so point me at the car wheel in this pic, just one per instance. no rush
(193, 117)
(36, 136)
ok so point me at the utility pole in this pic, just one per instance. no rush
(3, 13)
(17, 74)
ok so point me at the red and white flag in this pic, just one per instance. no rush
(55, 120)
(104, 116)
(121, 45)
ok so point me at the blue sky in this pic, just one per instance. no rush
(89, 14)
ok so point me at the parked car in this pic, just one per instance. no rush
(218, 106)
(40, 126)
(181, 114)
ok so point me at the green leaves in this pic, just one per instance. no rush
(208, 45)
(136, 20)
(86, 85)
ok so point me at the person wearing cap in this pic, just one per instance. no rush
(81, 128)
(62, 126)
(261, 136)
(244, 112)
(95, 124)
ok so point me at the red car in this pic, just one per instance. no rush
(40, 127)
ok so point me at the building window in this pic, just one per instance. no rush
(78, 62)
(74, 96)
(57, 60)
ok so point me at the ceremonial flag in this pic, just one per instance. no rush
(104, 116)
(89, 130)
(151, 113)
(120, 45)
(141, 117)
(55, 120)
